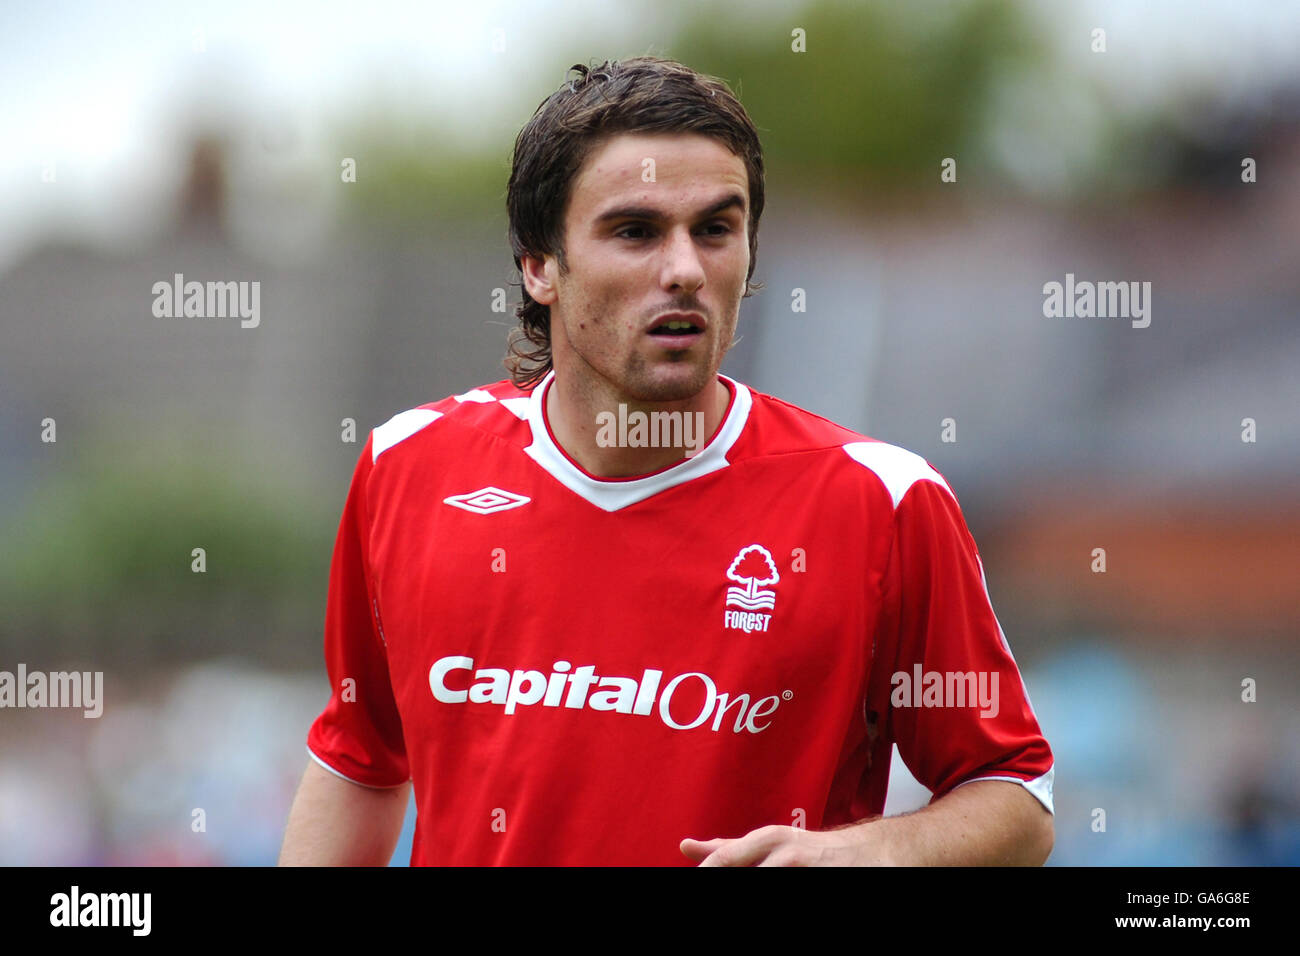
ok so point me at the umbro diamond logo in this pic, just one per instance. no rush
(487, 501)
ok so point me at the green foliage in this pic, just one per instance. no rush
(100, 560)
(421, 170)
(883, 92)
(407, 181)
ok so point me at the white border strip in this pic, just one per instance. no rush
(368, 786)
(613, 495)
(1040, 787)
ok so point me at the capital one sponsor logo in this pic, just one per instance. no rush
(696, 696)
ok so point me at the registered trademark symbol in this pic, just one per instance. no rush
(787, 694)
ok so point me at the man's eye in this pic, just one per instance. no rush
(723, 228)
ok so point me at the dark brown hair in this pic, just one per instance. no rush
(641, 95)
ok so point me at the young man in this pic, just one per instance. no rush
(625, 610)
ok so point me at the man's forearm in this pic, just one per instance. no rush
(337, 823)
(983, 823)
(986, 822)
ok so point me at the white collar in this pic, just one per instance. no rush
(615, 493)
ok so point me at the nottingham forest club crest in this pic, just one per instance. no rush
(752, 569)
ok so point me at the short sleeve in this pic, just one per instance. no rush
(956, 704)
(359, 734)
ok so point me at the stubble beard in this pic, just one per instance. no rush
(641, 384)
(640, 378)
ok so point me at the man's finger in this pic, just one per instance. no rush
(752, 848)
(697, 850)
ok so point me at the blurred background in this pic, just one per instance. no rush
(141, 141)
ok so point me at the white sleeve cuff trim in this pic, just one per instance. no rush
(1040, 787)
(368, 786)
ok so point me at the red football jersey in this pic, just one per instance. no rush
(575, 670)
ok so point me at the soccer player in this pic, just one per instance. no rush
(622, 609)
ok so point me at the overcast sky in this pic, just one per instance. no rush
(95, 88)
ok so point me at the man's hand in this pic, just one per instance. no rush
(785, 846)
(981, 823)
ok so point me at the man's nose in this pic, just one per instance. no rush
(682, 266)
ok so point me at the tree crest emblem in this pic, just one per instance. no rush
(752, 568)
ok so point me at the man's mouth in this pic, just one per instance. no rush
(676, 328)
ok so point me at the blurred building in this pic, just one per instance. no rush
(1071, 435)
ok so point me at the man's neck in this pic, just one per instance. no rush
(603, 438)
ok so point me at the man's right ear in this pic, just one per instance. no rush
(539, 278)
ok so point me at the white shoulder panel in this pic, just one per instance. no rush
(399, 428)
(518, 406)
(897, 467)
